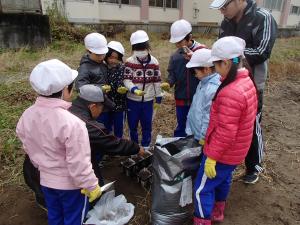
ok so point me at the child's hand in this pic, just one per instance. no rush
(93, 194)
(122, 90)
(210, 168)
(106, 88)
(141, 152)
(156, 106)
(202, 142)
(139, 92)
(165, 86)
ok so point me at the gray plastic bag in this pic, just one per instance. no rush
(111, 210)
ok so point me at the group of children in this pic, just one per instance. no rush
(215, 96)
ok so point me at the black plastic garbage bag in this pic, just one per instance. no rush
(171, 179)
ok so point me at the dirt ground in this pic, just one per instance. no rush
(274, 200)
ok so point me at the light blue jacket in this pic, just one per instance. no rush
(198, 116)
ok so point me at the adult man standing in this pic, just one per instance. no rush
(242, 18)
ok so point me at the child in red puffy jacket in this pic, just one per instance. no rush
(229, 133)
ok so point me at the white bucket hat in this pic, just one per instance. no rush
(179, 29)
(96, 43)
(200, 58)
(51, 76)
(227, 48)
(139, 36)
(117, 46)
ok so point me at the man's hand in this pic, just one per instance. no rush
(141, 152)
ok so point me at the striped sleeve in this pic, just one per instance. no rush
(264, 36)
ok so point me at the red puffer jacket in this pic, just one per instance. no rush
(231, 125)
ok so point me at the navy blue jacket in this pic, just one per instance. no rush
(185, 83)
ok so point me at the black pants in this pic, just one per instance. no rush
(32, 179)
(255, 154)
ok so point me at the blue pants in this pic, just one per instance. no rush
(208, 191)
(113, 121)
(65, 207)
(181, 114)
(140, 112)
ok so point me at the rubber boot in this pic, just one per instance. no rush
(218, 212)
(200, 221)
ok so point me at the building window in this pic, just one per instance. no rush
(126, 2)
(273, 4)
(295, 10)
(165, 3)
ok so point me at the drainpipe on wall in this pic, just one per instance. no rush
(180, 9)
(144, 11)
(285, 13)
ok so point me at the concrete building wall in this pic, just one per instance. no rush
(293, 19)
(95, 12)
(276, 15)
(157, 14)
(82, 12)
(126, 13)
(197, 11)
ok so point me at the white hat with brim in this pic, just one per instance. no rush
(51, 76)
(227, 48)
(217, 4)
(200, 58)
(179, 30)
(99, 51)
(140, 36)
(96, 43)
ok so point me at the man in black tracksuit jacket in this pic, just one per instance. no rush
(242, 18)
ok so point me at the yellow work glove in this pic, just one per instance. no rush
(139, 92)
(156, 106)
(202, 142)
(122, 90)
(165, 86)
(93, 194)
(210, 168)
(106, 88)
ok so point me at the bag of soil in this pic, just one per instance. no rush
(172, 185)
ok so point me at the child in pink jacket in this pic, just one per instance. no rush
(229, 133)
(57, 143)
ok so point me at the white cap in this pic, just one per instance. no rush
(179, 30)
(227, 48)
(117, 46)
(200, 58)
(139, 36)
(96, 43)
(218, 4)
(51, 76)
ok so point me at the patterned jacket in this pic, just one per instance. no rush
(144, 76)
(115, 78)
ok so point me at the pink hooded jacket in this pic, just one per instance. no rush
(57, 143)
(231, 124)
